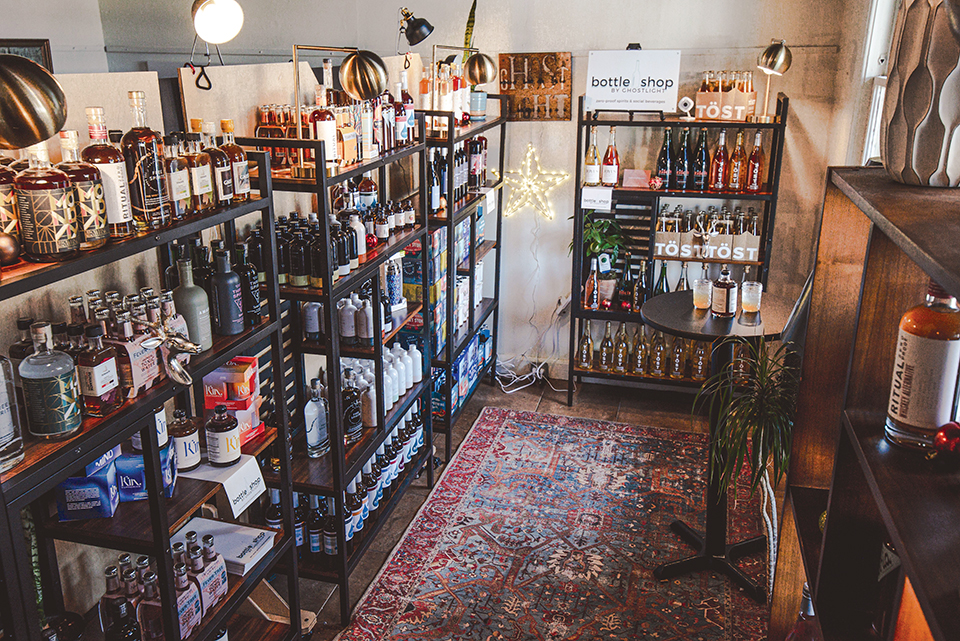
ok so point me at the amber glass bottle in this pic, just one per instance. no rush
(238, 159)
(143, 151)
(201, 176)
(46, 208)
(222, 167)
(113, 172)
(88, 186)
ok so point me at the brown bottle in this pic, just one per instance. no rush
(143, 152)
(238, 158)
(201, 176)
(756, 165)
(99, 379)
(113, 174)
(88, 196)
(222, 167)
(47, 211)
(223, 438)
(8, 203)
(724, 295)
(178, 179)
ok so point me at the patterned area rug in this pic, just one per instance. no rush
(547, 527)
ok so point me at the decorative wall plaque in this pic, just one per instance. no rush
(538, 85)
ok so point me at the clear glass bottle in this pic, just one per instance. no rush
(315, 418)
(88, 197)
(113, 174)
(11, 435)
(591, 289)
(641, 354)
(610, 169)
(606, 350)
(45, 206)
(143, 151)
(658, 356)
(926, 362)
(238, 162)
(682, 283)
(585, 347)
(223, 438)
(50, 388)
(724, 295)
(700, 361)
(591, 161)
(678, 358)
(203, 198)
(621, 351)
(149, 610)
(192, 302)
(222, 166)
(99, 378)
(185, 433)
(662, 286)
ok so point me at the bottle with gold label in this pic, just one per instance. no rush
(585, 347)
(606, 351)
(658, 356)
(621, 351)
(238, 160)
(678, 358)
(641, 352)
(8, 203)
(88, 187)
(46, 209)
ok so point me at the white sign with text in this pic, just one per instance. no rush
(638, 80)
(599, 198)
(242, 483)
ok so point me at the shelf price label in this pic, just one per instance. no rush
(597, 198)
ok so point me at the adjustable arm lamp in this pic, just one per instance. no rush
(773, 61)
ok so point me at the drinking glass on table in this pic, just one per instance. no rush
(701, 293)
(751, 292)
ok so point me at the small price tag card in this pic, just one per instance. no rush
(242, 483)
(604, 264)
(598, 198)
(636, 179)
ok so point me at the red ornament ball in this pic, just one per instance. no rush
(946, 442)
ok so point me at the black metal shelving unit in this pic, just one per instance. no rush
(330, 475)
(458, 338)
(637, 210)
(145, 526)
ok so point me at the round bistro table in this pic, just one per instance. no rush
(675, 314)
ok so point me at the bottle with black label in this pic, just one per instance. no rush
(352, 409)
(701, 162)
(143, 151)
(91, 206)
(315, 520)
(47, 210)
(223, 438)
(250, 282)
(226, 294)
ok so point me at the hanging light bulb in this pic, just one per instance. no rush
(217, 21)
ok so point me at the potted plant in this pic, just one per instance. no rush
(602, 236)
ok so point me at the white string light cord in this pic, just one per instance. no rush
(510, 381)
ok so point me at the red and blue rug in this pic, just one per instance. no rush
(548, 528)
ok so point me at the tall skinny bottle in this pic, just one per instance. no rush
(756, 165)
(226, 297)
(610, 170)
(591, 161)
(143, 151)
(665, 161)
(193, 304)
(683, 165)
(719, 170)
(738, 166)
(701, 162)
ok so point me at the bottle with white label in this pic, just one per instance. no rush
(160, 421)
(189, 607)
(311, 313)
(364, 324)
(926, 363)
(724, 294)
(348, 323)
(223, 438)
(591, 161)
(113, 172)
(186, 441)
(610, 169)
(315, 418)
(203, 198)
(178, 179)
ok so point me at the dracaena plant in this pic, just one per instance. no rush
(600, 235)
(755, 413)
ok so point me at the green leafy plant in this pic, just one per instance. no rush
(468, 32)
(600, 235)
(755, 411)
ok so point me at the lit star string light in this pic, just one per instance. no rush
(531, 186)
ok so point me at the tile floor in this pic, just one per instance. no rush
(660, 409)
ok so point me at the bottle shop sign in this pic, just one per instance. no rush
(639, 80)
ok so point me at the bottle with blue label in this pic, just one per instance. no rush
(186, 441)
(315, 418)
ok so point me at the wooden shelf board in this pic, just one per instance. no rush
(464, 133)
(620, 192)
(244, 628)
(482, 250)
(686, 381)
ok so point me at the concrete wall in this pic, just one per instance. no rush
(72, 27)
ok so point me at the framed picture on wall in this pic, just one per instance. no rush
(37, 50)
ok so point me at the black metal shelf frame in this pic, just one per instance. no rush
(320, 186)
(458, 338)
(27, 488)
(653, 198)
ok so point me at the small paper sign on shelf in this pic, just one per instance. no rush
(597, 198)
(242, 483)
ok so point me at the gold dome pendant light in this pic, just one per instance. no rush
(33, 106)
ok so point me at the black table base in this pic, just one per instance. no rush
(724, 564)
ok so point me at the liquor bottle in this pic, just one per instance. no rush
(178, 179)
(591, 161)
(114, 591)
(684, 165)
(330, 527)
(88, 198)
(315, 418)
(99, 379)
(640, 357)
(298, 269)
(639, 295)
(189, 605)
(45, 207)
(435, 189)
(682, 284)
(60, 340)
(737, 174)
(625, 285)
(724, 295)
(222, 166)
(662, 286)
(315, 520)
(299, 524)
(352, 409)
(678, 358)
(591, 289)
(226, 300)
(610, 169)
(250, 283)
(925, 368)
(113, 175)
(805, 629)
(240, 168)
(9, 222)
(149, 610)
(193, 303)
(658, 356)
(606, 351)
(368, 193)
(50, 389)
(131, 586)
(223, 438)
(11, 435)
(255, 252)
(666, 161)
(186, 441)
(273, 515)
(701, 162)
(143, 152)
(756, 164)
(409, 109)
(124, 563)
(621, 351)
(125, 626)
(719, 169)
(203, 198)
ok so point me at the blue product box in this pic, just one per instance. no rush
(437, 377)
(480, 225)
(89, 497)
(485, 346)
(130, 474)
(473, 361)
(102, 462)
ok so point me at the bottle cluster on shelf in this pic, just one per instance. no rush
(446, 89)
(651, 356)
(118, 186)
(355, 313)
(469, 174)
(727, 81)
(352, 131)
(711, 234)
(686, 167)
(315, 530)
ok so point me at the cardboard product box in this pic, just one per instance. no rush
(473, 361)
(102, 462)
(721, 246)
(140, 368)
(248, 419)
(130, 473)
(236, 380)
(462, 300)
(481, 224)
(413, 269)
(485, 345)
(666, 244)
(438, 240)
(478, 284)
(733, 105)
(89, 497)
(746, 246)
(463, 377)
(438, 377)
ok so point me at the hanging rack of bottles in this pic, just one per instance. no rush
(699, 210)
(362, 422)
(88, 455)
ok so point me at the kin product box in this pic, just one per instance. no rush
(89, 497)
(131, 479)
(248, 420)
(233, 384)
(102, 462)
